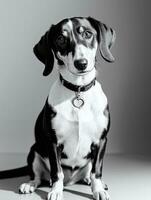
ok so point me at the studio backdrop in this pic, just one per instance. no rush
(23, 89)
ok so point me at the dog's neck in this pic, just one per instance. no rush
(79, 80)
(77, 88)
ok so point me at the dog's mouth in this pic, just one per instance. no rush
(80, 72)
(83, 72)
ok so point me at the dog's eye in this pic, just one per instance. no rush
(61, 40)
(87, 34)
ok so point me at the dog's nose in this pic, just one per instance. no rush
(81, 64)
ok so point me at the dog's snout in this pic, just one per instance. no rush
(81, 64)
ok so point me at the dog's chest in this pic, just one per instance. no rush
(77, 128)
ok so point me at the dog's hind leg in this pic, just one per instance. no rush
(40, 172)
(87, 178)
(81, 175)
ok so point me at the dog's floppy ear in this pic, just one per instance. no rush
(106, 38)
(43, 51)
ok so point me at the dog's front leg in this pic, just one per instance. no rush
(57, 176)
(97, 185)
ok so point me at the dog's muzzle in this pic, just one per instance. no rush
(81, 64)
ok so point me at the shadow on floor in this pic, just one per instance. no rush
(42, 194)
(12, 184)
(78, 193)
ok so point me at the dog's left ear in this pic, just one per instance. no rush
(43, 51)
(106, 38)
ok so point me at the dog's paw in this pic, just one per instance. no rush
(56, 192)
(55, 195)
(27, 188)
(99, 191)
(101, 195)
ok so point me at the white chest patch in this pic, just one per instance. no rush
(78, 128)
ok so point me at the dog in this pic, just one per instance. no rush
(71, 130)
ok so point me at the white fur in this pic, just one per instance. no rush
(78, 128)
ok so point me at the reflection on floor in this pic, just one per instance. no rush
(127, 177)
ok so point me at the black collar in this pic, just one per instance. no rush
(77, 88)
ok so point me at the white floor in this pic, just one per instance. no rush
(128, 178)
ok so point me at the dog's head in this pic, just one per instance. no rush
(74, 43)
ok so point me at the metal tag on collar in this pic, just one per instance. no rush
(78, 101)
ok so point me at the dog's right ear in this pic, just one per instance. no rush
(43, 51)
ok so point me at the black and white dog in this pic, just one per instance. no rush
(71, 130)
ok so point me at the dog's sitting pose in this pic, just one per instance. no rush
(71, 130)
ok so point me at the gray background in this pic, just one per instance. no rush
(23, 89)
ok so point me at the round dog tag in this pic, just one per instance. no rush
(77, 102)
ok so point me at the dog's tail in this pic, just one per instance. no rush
(12, 173)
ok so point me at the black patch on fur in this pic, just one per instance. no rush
(63, 155)
(94, 147)
(65, 47)
(43, 126)
(98, 154)
(73, 37)
(104, 44)
(43, 51)
(94, 23)
(98, 151)
(105, 27)
(107, 114)
(88, 156)
(71, 168)
(79, 39)
(54, 159)
(46, 140)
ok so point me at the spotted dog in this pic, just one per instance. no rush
(71, 130)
